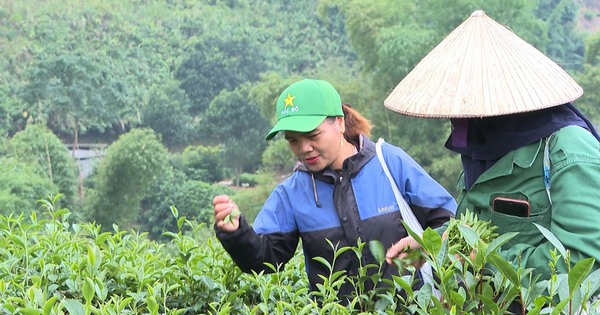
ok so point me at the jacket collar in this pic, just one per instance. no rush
(523, 157)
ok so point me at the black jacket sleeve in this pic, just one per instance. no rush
(250, 251)
(432, 218)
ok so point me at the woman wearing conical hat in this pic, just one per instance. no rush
(529, 156)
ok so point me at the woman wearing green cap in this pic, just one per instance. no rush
(338, 191)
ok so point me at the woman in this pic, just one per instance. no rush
(529, 156)
(337, 192)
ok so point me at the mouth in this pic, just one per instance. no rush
(311, 160)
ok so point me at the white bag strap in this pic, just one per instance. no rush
(408, 216)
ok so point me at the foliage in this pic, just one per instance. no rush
(590, 80)
(193, 198)
(240, 57)
(236, 123)
(128, 169)
(203, 163)
(167, 113)
(278, 157)
(484, 229)
(21, 184)
(37, 145)
(51, 265)
(248, 180)
(566, 46)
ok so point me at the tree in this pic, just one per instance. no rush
(236, 60)
(71, 93)
(21, 185)
(590, 80)
(167, 113)
(235, 122)
(37, 145)
(203, 163)
(278, 157)
(566, 45)
(192, 198)
(130, 166)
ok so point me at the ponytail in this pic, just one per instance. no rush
(356, 124)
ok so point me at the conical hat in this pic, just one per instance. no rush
(482, 69)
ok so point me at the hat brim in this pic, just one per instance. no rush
(296, 123)
(482, 69)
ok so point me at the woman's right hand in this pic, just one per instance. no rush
(399, 250)
(227, 213)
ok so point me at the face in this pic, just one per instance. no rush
(321, 147)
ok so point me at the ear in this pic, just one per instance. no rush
(341, 123)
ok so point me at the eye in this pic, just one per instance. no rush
(313, 136)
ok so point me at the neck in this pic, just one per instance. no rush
(347, 150)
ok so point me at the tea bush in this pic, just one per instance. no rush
(50, 265)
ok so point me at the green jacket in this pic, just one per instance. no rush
(574, 215)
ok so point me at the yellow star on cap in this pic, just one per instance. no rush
(289, 101)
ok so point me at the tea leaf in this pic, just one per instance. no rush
(579, 272)
(552, 239)
(376, 248)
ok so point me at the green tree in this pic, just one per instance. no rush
(69, 92)
(167, 113)
(130, 166)
(235, 60)
(235, 122)
(589, 80)
(566, 44)
(278, 157)
(192, 198)
(203, 163)
(37, 145)
(21, 185)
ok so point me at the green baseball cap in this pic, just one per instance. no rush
(304, 105)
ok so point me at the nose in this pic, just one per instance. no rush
(305, 146)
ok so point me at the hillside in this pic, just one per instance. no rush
(589, 16)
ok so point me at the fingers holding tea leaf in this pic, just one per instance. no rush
(227, 214)
(235, 213)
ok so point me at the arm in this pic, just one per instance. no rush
(251, 250)
(430, 202)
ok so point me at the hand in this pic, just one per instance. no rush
(227, 213)
(400, 250)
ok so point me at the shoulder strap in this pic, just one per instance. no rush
(407, 215)
(547, 166)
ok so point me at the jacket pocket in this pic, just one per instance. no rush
(528, 233)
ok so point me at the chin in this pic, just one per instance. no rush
(315, 168)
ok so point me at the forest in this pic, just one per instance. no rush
(173, 99)
(178, 94)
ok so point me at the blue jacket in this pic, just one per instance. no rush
(317, 207)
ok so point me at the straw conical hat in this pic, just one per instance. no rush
(482, 69)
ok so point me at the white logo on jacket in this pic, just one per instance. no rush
(387, 208)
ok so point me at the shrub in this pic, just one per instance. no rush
(50, 265)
